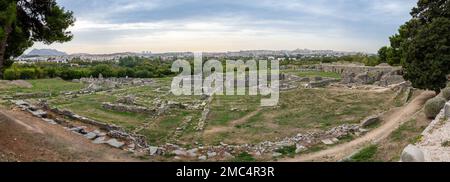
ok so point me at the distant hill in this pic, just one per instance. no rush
(46, 52)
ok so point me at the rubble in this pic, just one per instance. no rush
(370, 121)
(91, 135)
(114, 143)
(99, 140)
(300, 148)
(128, 100)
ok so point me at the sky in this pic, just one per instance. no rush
(107, 26)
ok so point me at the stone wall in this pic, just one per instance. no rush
(356, 69)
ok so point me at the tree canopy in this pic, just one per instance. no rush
(23, 22)
(422, 45)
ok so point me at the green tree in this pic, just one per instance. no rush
(382, 54)
(424, 45)
(393, 53)
(23, 21)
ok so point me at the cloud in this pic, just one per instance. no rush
(127, 25)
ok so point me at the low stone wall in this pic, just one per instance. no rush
(31, 95)
(321, 83)
(89, 121)
(356, 69)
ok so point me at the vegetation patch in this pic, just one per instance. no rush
(244, 157)
(287, 151)
(365, 155)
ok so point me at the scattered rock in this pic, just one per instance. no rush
(77, 129)
(211, 154)
(192, 152)
(153, 150)
(412, 154)
(180, 152)
(99, 133)
(51, 121)
(99, 140)
(227, 155)
(370, 121)
(202, 158)
(91, 135)
(114, 143)
(39, 113)
(276, 154)
(300, 148)
(328, 142)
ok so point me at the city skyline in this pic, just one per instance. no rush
(220, 26)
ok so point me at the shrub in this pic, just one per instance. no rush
(10, 74)
(434, 106)
(446, 93)
(27, 73)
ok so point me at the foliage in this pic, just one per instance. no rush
(23, 22)
(368, 60)
(434, 106)
(288, 151)
(382, 54)
(446, 93)
(423, 45)
(142, 68)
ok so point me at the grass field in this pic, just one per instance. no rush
(313, 74)
(54, 86)
(299, 111)
(232, 119)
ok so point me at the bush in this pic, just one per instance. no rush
(28, 73)
(10, 74)
(434, 106)
(446, 93)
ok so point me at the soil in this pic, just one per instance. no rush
(27, 138)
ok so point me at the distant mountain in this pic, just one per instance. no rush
(46, 52)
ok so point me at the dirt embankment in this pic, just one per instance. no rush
(26, 138)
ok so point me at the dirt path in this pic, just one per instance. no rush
(26, 138)
(391, 121)
(232, 124)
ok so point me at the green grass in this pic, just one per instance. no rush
(365, 155)
(244, 157)
(299, 111)
(91, 106)
(287, 151)
(162, 130)
(404, 130)
(54, 86)
(315, 74)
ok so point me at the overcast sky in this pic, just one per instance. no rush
(106, 26)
